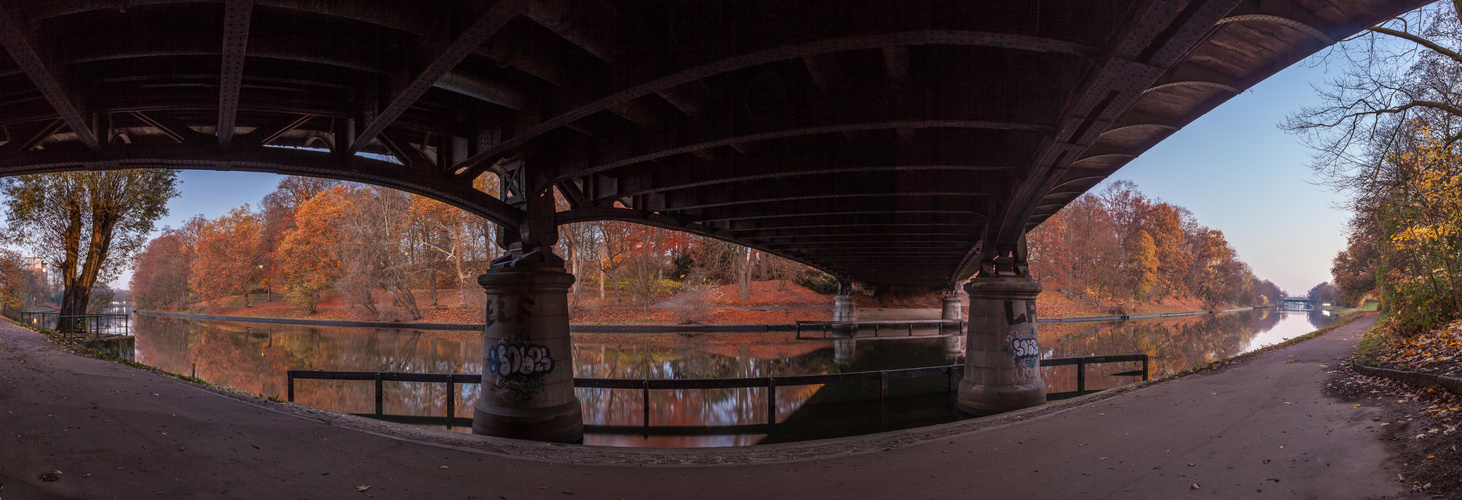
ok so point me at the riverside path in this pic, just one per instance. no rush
(75, 427)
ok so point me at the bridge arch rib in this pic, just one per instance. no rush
(899, 142)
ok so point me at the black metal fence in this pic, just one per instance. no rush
(953, 372)
(92, 325)
(824, 329)
(40, 319)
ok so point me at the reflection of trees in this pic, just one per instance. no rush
(256, 359)
(1173, 344)
(682, 361)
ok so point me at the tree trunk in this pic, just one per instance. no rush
(743, 276)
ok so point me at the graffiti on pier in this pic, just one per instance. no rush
(519, 368)
(1026, 350)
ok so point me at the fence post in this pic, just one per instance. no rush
(378, 394)
(647, 402)
(451, 401)
(288, 375)
(1080, 376)
(883, 385)
(1144, 367)
(771, 400)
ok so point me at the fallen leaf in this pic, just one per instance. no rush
(362, 488)
(1194, 487)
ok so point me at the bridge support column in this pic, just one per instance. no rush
(845, 351)
(527, 369)
(953, 306)
(954, 345)
(845, 307)
(527, 359)
(1002, 355)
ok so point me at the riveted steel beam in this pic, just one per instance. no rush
(447, 58)
(18, 39)
(286, 161)
(236, 16)
(631, 89)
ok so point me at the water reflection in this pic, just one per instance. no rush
(255, 359)
(1174, 344)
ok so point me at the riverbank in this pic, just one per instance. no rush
(86, 428)
(775, 302)
(635, 328)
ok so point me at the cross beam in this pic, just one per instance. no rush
(466, 43)
(18, 40)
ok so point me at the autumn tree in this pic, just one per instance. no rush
(277, 215)
(306, 253)
(1143, 265)
(87, 224)
(447, 233)
(1354, 268)
(1324, 293)
(227, 256)
(1170, 242)
(370, 249)
(14, 281)
(159, 272)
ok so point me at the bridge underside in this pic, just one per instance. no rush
(890, 142)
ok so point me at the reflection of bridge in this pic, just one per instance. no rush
(1299, 302)
(900, 143)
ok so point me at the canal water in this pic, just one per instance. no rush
(254, 358)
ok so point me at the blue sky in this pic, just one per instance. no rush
(1233, 168)
(1240, 174)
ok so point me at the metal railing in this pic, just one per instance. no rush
(826, 327)
(94, 324)
(40, 319)
(953, 372)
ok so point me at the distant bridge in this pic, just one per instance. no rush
(1300, 301)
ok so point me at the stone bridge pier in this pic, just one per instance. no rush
(845, 306)
(527, 361)
(1002, 351)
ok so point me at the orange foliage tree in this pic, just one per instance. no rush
(160, 276)
(226, 258)
(306, 254)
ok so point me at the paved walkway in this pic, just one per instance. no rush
(1261, 429)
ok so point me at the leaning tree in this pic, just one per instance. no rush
(87, 224)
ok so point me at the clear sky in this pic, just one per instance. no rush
(1233, 168)
(1240, 174)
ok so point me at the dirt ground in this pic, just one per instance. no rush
(1419, 425)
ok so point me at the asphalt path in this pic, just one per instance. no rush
(1258, 429)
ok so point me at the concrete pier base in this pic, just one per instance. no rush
(845, 351)
(954, 346)
(845, 308)
(1002, 354)
(953, 307)
(527, 360)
